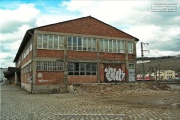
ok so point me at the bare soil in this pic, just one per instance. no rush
(135, 95)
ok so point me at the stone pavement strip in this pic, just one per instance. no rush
(17, 104)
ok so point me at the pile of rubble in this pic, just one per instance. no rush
(107, 88)
(158, 86)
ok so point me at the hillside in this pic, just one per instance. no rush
(168, 63)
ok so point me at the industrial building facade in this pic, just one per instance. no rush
(83, 50)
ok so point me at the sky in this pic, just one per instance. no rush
(161, 29)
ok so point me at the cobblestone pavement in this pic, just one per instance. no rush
(17, 104)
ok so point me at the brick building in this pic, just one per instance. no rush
(83, 50)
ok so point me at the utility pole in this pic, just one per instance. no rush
(159, 72)
(142, 56)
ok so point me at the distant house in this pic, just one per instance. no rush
(158, 75)
(169, 74)
(83, 50)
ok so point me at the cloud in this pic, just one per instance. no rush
(13, 26)
(109, 11)
(6, 59)
(159, 29)
(46, 19)
(13, 19)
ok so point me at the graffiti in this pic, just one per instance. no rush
(42, 81)
(114, 74)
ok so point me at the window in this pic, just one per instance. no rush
(130, 47)
(85, 44)
(56, 42)
(110, 45)
(80, 43)
(122, 47)
(30, 67)
(45, 39)
(106, 45)
(61, 42)
(69, 43)
(114, 46)
(119, 46)
(74, 43)
(89, 44)
(50, 65)
(82, 68)
(50, 42)
(131, 66)
(39, 41)
(101, 44)
(93, 44)
(26, 69)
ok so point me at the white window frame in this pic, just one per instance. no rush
(50, 66)
(115, 48)
(130, 44)
(59, 46)
(80, 72)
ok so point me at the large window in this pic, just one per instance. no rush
(50, 65)
(81, 44)
(130, 47)
(82, 68)
(26, 69)
(113, 46)
(50, 42)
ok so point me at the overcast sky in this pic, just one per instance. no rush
(160, 29)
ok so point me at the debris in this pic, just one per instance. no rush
(107, 88)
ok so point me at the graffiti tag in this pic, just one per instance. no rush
(113, 74)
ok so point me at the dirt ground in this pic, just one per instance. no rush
(135, 95)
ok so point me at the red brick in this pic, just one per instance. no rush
(86, 25)
(50, 77)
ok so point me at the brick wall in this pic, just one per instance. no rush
(131, 57)
(86, 25)
(49, 77)
(112, 56)
(25, 78)
(50, 53)
(82, 54)
(26, 59)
